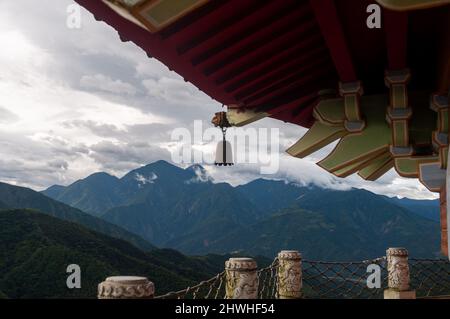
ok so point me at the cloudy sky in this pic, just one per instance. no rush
(77, 101)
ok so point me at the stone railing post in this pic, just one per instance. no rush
(126, 287)
(241, 278)
(289, 274)
(398, 275)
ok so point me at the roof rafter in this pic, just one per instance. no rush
(396, 26)
(281, 72)
(327, 17)
(267, 18)
(258, 53)
(252, 71)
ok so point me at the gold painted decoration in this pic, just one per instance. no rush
(398, 111)
(364, 146)
(432, 175)
(409, 166)
(330, 112)
(351, 93)
(372, 152)
(377, 167)
(440, 104)
(317, 137)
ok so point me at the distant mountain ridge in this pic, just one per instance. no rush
(183, 209)
(13, 197)
(425, 208)
(179, 200)
(353, 224)
(99, 192)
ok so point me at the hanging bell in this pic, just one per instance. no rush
(224, 153)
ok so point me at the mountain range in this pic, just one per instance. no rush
(13, 197)
(40, 237)
(36, 248)
(185, 210)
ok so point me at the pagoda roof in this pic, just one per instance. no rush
(275, 56)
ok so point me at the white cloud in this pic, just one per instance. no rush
(104, 83)
(142, 180)
(176, 90)
(201, 175)
(7, 116)
(73, 102)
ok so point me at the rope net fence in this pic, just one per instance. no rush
(430, 277)
(334, 280)
(268, 284)
(213, 288)
(342, 280)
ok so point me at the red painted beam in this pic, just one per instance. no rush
(290, 98)
(202, 13)
(153, 45)
(290, 106)
(217, 25)
(262, 26)
(257, 68)
(291, 86)
(305, 116)
(240, 60)
(290, 42)
(297, 112)
(265, 14)
(279, 72)
(284, 68)
(290, 71)
(327, 17)
(396, 28)
(217, 16)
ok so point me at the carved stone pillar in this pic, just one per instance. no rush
(289, 274)
(126, 287)
(242, 278)
(398, 275)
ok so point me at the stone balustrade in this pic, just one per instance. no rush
(398, 275)
(289, 274)
(126, 287)
(242, 279)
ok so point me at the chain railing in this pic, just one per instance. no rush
(398, 277)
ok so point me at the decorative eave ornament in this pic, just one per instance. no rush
(153, 15)
(224, 153)
(407, 5)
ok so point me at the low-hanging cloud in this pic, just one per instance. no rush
(77, 101)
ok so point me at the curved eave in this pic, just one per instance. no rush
(409, 5)
(274, 57)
